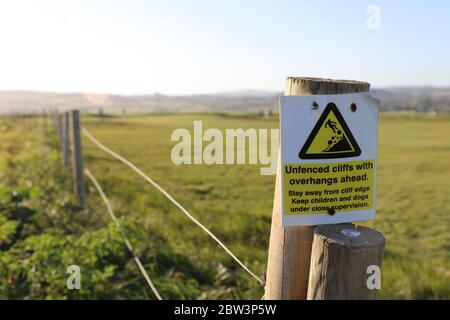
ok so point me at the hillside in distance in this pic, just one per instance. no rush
(419, 99)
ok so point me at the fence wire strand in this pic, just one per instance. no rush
(127, 242)
(168, 196)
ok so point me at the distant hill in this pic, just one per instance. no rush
(420, 99)
(248, 93)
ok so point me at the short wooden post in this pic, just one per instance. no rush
(65, 139)
(77, 158)
(342, 260)
(290, 247)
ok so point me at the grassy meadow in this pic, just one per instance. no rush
(235, 203)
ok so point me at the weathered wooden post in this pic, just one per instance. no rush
(343, 258)
(65, 139)
(77, 158)
(290, 247)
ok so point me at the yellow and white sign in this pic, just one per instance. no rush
(328, 158)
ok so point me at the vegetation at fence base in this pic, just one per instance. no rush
(43, 231)
(234, 201)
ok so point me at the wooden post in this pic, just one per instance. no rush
(59, 129)
(290, 247)
(340, 262)
(77, 158)
(65, 139)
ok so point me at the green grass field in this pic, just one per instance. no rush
(235, 203)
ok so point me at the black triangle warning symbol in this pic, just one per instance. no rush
(330, 138)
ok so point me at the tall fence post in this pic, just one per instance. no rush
(77, 158)
(345, 263)
(65, 139)
(290, 247)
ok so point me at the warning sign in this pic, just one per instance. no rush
(330, 138)
(328, 158)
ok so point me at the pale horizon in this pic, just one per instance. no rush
(253, 90)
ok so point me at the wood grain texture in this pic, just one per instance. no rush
(290, 247)
(339, 262)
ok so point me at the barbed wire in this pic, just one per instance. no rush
(168, 196)
(127, 242)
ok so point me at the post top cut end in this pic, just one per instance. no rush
(349, 235)
(298, 86)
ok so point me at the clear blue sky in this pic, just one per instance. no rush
(177, 47)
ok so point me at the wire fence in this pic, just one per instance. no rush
(110, 210)
(88, 135)
(127, 242)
